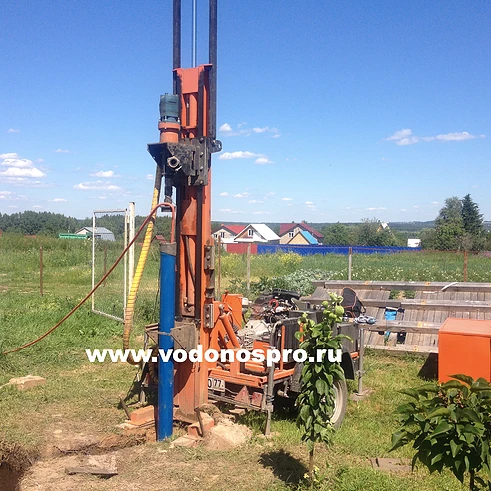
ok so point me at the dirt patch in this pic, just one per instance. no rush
(227, 435)
(65, 443)
(14, 462)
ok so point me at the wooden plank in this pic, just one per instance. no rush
(405, 285)
(481, 298)
(94, 471)
(418, 316)
(410, 329)
(414, 304)
(429, 338)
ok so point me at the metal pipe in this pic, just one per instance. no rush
(360, 361)
(41, 271)
(350, 262)
(269, 398)
(176, 43)
(212, 49)
(193, 37)
(165, 410)
(176, 35)
(93, 258)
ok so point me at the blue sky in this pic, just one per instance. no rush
(328, 111)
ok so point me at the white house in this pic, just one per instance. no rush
(101, 233)
(414, 242)
(227, 233)
(257, 232)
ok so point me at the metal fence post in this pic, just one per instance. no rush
(41, 270)
(350, 259)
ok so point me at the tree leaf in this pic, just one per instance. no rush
(452, 384)
(441, 411)
(463, 378)
(441, 428)
(454, 448)
(322, 387)
(411, 393)
(398, 439)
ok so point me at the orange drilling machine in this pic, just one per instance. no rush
(190, 316)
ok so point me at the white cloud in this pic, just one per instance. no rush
(5, 194)
(16, 172)
(373, 208)
(241, 195)
(261, 213)
(271, 193)
(263, 160)
(266, 129)
(13, 206)
(242, 130)
(59, 200)
(255, 201)
(286, 199)
(37, 207)
(399, 135)
(228, 210)
(12, 130)
(225, 128)
(309, 203)
(104, 173)
(456, 137)
(102, 197)
(61, 150)
(149, 177)
(434, 203)
(13, 160)
(240, 154)
(224, 193)
(403, 209)
(97, 185)
(405, 137)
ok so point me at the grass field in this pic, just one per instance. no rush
(83, 398)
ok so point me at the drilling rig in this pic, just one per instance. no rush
(190, 315)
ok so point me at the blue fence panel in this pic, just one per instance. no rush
(307, 250)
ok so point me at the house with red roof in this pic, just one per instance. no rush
(289, 231)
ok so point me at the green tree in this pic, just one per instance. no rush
(459, 225)
(337, 234)
(316, 401)
(472, 221)
(371, 232)
(449, 233)
(449, 426)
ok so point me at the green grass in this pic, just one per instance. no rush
(84, 397)
(404, 266)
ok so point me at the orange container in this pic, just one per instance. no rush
(464, 346)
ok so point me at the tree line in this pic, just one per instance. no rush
(458, 226)
(53, 224)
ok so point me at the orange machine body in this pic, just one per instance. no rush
(195, 282)
(464, 346)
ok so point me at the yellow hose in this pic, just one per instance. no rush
(135, 284)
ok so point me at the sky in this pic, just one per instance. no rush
(327, 110)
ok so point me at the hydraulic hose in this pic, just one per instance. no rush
(135, 284)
